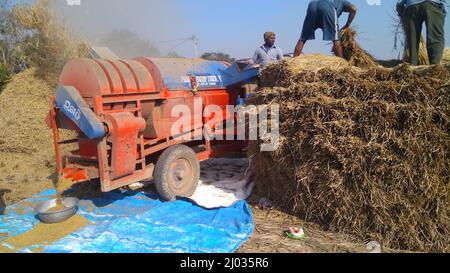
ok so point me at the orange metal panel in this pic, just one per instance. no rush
(77, 175)
(113, 76)
(126, 76)
(86, 76)
(124, 129)
(154, 71)
(87, 148)
(138, 176)
(142, 76)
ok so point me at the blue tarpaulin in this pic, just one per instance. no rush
(130, 222)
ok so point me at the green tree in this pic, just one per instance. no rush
(218, 56)
(173, 54)
(5, 76)
(6, 47)
(12, 35)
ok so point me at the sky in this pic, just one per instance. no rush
(235, 27)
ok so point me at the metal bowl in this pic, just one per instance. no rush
(54, 217)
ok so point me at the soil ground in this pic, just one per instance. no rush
(269, 235)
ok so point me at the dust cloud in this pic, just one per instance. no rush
(131, 28)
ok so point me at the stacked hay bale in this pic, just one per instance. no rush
(362, 151)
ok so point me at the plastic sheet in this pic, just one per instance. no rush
(125, 222)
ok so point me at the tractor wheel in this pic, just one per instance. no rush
(177, 173)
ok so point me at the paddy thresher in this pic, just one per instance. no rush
(122, 113)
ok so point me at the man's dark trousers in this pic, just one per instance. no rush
(434, 18)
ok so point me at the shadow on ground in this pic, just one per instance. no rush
(2, 200)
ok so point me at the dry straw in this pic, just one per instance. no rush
(363, 151)
(446, 56)
(353, 52)
(49, 44)
(26, 143)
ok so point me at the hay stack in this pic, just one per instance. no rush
(363, 151)
(26, 144)
(23, 106)
(25, 141)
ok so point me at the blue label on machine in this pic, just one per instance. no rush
(73, 106)
(203, 81)
(180, 73)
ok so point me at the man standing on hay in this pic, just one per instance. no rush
(324, 14)
(268, 53)
(414, 13)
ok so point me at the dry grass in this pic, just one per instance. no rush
(363, 151)
(48, 44)
(446, 56)
(273, 76)
(269, 235)
(23, 106)
(353, 52)
(26, 143)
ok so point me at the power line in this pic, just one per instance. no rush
(193, 38)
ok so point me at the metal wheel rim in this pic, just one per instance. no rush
(180, 175)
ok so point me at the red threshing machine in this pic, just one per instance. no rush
(122, 112)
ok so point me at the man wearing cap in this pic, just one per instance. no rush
(268, 53)
(414, 13)
(324, 14)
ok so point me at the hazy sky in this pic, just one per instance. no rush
(231, 26)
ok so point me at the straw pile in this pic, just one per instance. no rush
(26, 143)
(362, 151)
(353, 52)
(23, 106)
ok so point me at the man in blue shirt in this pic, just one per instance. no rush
(414, 13)
(324, 14)
(268, 52)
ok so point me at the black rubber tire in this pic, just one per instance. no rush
(163, 171)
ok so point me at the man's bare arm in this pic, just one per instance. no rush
(351, 16)
(299, 48)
